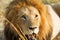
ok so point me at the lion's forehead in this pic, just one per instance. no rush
(29, 10)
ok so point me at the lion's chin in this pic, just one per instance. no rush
(32, 36)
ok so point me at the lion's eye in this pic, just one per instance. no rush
(36, 16)
(23, 17)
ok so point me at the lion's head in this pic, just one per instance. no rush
(30, 16)
(28, 19)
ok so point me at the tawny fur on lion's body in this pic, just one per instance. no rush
(55, 21)
(49, 25)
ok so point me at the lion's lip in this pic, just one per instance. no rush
(31, 36)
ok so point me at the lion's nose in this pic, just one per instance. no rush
(32, 28)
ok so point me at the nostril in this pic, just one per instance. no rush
(32, 28)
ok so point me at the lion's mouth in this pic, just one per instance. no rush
(31, 36)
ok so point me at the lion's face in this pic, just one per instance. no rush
(28, 20)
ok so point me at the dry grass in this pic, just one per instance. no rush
(51, 1)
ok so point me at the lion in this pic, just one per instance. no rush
(33, 18)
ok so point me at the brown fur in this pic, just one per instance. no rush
(45, 26)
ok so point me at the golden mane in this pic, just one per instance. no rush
(46, 22)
